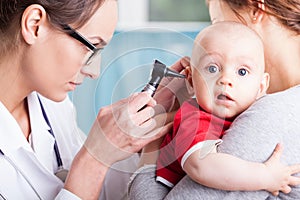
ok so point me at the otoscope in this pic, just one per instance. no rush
(159, 71)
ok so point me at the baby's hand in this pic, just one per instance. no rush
(280, 177)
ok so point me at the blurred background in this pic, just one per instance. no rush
(147, 30)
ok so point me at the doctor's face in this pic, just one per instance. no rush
(67, 58)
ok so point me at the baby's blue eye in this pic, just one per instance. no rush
(212, 69)
(242, 72)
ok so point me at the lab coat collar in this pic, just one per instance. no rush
(35, 111)
(42, 140)
(15, 146)
(11, 135)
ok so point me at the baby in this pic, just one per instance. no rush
(227, 75)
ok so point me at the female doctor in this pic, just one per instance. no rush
(47, 48)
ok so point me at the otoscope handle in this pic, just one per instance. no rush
(159, 71)
(150, 89)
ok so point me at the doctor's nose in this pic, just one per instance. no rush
(92, 70)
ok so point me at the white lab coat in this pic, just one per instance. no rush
(37, 160)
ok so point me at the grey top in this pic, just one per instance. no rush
(253, 136)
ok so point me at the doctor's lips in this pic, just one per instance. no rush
(73, 83)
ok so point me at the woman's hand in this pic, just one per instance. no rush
(121, 129)
(280, 176)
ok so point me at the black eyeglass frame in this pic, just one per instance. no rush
(76, 35)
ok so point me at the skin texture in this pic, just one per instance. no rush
(281, 44)
(61, 80)
(229, 59)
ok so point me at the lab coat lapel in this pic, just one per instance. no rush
(42, 140)
(46, 184)
(15, 146)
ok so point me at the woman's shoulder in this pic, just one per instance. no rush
(279, 100)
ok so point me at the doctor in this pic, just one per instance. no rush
(47, 48)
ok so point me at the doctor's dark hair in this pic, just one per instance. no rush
(75, 12)
(287, 12)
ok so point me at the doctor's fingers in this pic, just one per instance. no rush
(177, 89)
(164, 123)
(142, 116)
(135, 102)
(134, 124)
(155, 134)
(155, 126)
(181, 64)
(179, 67)
(137, 143)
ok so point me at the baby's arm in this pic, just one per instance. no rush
(226, 172)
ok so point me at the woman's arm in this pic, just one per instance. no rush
(226, 172)
(272, 119)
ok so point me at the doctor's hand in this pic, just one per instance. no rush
(170, 93)
(173, 91)
(122, 129)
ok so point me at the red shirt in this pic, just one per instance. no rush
(192, 125)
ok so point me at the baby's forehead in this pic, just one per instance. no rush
(226, 35)
(230, 30)
(232, 40)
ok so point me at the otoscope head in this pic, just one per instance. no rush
(160, 70)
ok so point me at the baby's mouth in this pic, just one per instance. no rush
(224, 97)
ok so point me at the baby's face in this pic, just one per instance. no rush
(227, 74)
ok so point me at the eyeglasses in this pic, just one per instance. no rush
(92, 58)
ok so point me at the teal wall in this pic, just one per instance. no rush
(126, 67)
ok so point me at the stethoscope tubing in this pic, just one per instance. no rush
(2, 197)
(56, 150)
(22, 173)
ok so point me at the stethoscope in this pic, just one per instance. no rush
(61, 173)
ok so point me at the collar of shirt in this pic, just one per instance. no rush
(12, 137)
(42, 140)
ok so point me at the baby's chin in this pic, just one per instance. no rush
(226, 114)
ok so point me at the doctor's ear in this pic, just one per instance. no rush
(33, 18)
(188, 73)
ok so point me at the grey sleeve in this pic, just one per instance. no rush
(188, 189)
(144, 186)
(253, 136)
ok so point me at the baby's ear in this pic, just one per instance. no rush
(188, 72)
(264, 85)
